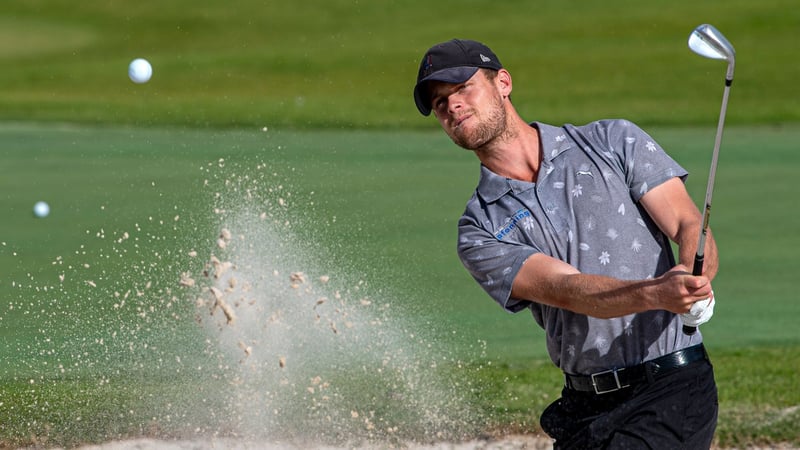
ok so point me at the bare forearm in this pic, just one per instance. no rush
(687, 249)
(670, 206)
(600, 296)
(552, 282)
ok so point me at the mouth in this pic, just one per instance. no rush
(460, 120)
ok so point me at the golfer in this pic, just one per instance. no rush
(574, 224)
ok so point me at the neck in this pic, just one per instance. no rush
(516, 153)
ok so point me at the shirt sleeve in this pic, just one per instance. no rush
(643, 161)
(492, 263)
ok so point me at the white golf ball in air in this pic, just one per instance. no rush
(140, 70)
(41, 209)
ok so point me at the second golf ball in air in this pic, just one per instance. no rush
(41, 209)
(140, 70)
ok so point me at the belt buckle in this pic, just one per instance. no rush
(615, 372)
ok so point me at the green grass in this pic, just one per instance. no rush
(378, 206)
(344, 63)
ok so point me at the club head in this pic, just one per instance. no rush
(707, 41)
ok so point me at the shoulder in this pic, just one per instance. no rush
(606, 129)
(473, 206)
(613, 137)
(598, 131)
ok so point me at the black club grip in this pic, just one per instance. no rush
(696, 270)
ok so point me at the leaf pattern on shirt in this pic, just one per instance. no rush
(605, 258)
(601, 343)
(628, 330)
(528, 224)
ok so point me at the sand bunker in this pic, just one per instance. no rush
(508, 443)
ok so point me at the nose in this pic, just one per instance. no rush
(454, 102)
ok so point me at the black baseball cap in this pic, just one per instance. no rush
(454, 61)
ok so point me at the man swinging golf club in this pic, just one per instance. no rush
(574, 224)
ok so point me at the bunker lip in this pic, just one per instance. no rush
(513, 442)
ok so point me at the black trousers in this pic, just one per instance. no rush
(676, 411)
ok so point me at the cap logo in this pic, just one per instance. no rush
(485, 58)
(428, 66)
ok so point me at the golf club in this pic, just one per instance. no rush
(708, 42)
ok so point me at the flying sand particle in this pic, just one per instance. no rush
(246, 348)
(220, 267)
(297, 278)
(226, 309)
(187, 280)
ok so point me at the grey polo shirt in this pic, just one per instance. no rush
(583, 209)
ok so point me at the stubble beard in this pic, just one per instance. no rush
(493, 127)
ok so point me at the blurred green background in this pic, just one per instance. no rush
(348, 63)
(320, 93)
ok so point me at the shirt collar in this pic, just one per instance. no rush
(553, 141)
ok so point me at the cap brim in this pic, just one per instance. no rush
(449, 75)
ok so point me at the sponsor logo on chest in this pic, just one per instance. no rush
(512, 223)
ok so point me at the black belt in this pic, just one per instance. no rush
(616, 379)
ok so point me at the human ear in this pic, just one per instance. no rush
(503, 82)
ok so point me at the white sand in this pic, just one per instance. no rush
(508, 443)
